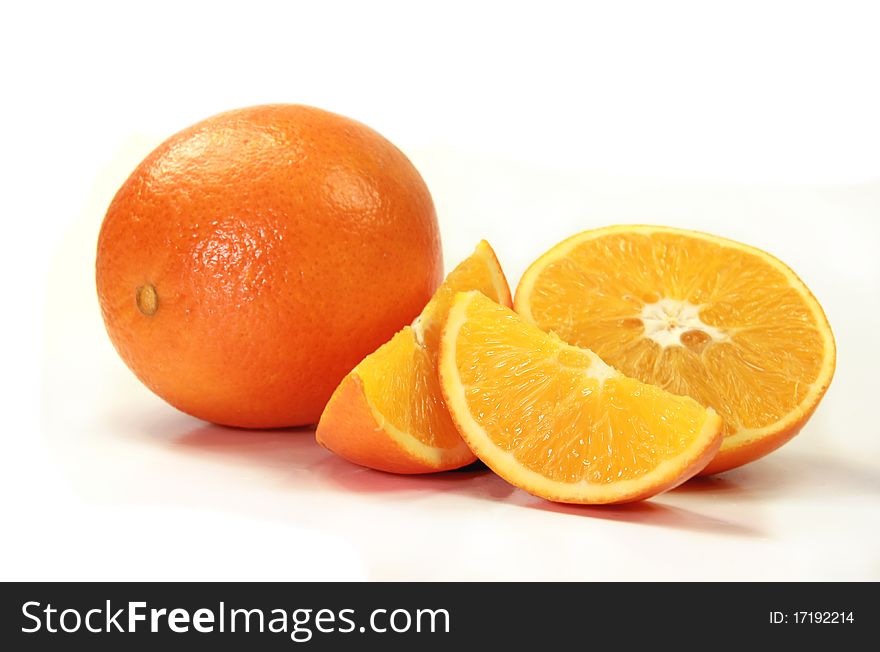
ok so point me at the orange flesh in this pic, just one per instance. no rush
(400, 369)
(559, 410)
(768, 347)
(479, 271)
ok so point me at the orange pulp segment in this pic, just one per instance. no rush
(557, 421)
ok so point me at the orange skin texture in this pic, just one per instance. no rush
(284, 243)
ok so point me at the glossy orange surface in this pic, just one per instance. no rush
(253, 259)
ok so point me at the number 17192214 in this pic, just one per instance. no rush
(812, 617)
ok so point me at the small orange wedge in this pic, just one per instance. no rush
(698, 315)
(388, 413)
(555, 420)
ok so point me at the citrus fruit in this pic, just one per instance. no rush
(558, 422)
(388, 413)
(253, 259)
(724, 323)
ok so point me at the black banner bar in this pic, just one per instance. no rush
(428, 616)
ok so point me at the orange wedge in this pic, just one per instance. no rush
(724, 323)
(555, 420)
(388, 413)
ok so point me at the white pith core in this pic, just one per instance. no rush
(418, 331)
(666, 320)
(600, 371)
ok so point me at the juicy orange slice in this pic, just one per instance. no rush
(556, 420)
(726, 324)
(388, 413)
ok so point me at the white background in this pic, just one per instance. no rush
(757, 121)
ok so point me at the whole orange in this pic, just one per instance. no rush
(253, 259)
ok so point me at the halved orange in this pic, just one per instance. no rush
(558, 422)
(388, 413)
(698, 315)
